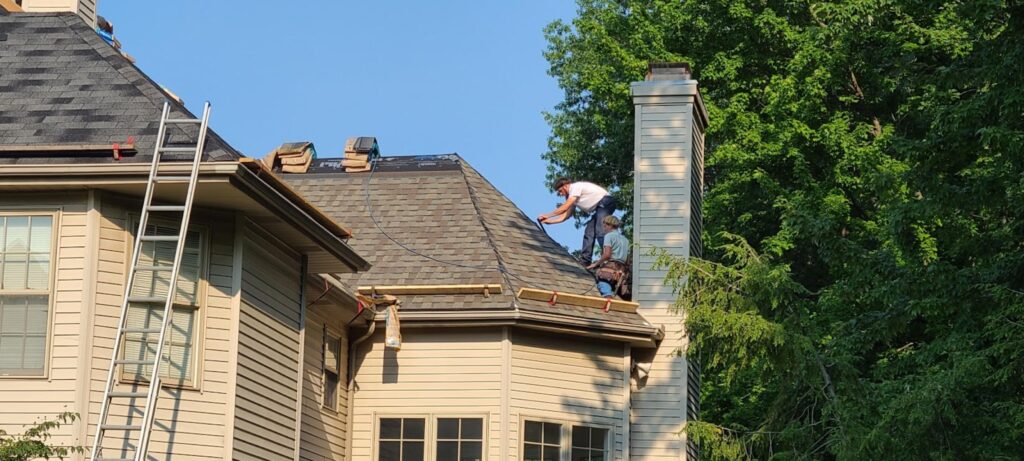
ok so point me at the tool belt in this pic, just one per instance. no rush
(611, 271)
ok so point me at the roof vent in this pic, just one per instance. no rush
(359, 152)
(668, 71)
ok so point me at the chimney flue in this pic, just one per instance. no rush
(668, 71)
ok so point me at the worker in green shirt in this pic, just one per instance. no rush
(612, 264)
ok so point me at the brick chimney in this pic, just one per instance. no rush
(668, 188)
(85, 8)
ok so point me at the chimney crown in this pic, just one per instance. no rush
(668, 71)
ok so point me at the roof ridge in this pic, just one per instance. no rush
(502, 268)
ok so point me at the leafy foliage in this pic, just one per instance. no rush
(34, 442)
(863, 293)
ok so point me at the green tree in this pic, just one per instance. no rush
(34, 441)
(863, 293)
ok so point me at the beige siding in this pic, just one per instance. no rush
(27, 400)
(324, 435)
(85, 8)
(190, 422)
(667, 194)
(566, 380)
(268, 351)
(450, 372)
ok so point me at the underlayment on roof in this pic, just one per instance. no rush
(440, 206)
(60, 83)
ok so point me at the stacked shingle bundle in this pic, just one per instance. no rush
(359, 152)
(292, 157)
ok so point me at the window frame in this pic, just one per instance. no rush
(565, 447)
(430, 431)
(193, 382)
(55, 214)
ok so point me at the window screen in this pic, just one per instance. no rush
(26, 254)
(460, 439)
(589, 443)
(401, 439)
(332, 365)
(542, 441)
(179, 347)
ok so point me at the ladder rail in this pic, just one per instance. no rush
(136, 249)
(154, 383)
(152, 395)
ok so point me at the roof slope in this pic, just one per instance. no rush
(464, 229)
(60, 83)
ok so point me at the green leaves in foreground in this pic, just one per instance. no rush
(34, 442)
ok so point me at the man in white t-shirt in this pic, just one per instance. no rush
(589, 198)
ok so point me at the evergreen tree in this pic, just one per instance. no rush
(863, 293)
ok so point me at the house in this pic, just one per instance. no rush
(506, 352)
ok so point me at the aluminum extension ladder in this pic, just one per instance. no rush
(142, 431)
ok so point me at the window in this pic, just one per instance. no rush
(26, 254)
(589, 444)
(401, 439)
(331, 365)
(179, 346)
(460, 439)
(542, 441)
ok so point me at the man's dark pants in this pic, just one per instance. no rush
(594, 230)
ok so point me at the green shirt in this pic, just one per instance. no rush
(619, 245)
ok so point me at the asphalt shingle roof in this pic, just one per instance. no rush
(439, 206)
(60, 83)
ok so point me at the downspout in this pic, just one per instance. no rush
(352, 349)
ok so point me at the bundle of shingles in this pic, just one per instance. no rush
(291, 157)
(359, 152)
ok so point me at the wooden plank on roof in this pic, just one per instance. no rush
(571, 299)
(485, 289)
(50, 148)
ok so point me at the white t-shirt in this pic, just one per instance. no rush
(587, 195)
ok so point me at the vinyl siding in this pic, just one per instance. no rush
(668, 187)
(566, 380)
(85, 8)
(324, 433)
(27, 400)
(438, 372)
(190, 421)
(268, 351)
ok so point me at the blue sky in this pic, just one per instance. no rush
(423, 77)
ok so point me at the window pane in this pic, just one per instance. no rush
(178, 347)
(447, 451)
(38, 272)
(15, 271)
(12, 348)
(390, 428)
(531, 453)
(412, 429)
(471, 451)
(35, 353)
(552, 433)
(149, 283)
(580, 437)
(550, 453)
(533, 432)
(36, 308)
(12, 315)
(389, 451)
(42, 234)
(598, 438)
(412, 451)
(579, 454)
(17, 235)
(447, 428)
(472, 428)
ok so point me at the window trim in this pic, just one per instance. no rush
(565, 450)
(430, 428)
(55, 213)
(199, 340)
(325, 335)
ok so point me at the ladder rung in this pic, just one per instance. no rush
(127, 394)
(159, 238)
(166, 208)
(119, 427)
(141, 330)
(172, 178)
(153, 268)
(183, 120)
(133, 362)
(146, 299)
(177, 149)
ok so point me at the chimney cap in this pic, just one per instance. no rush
(668, 71)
